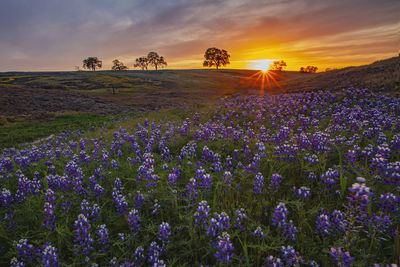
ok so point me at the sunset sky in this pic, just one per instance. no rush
(59, 34)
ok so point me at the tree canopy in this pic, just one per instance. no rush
(309, 69)
(141, 62)
(216, 57)
(278, 65)
(91, 63)
(118, 65)
(156, 60)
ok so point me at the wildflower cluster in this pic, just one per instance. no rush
(246, 181)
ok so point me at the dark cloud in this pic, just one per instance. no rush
(58, 34)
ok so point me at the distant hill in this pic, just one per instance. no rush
(383, 74)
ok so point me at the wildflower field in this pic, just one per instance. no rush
(305, 179)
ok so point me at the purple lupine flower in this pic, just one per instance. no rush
(279, 218)
(50, 256)
(114, 164)
(83, 240)
(172, 179)
(123, 237)
(49, 217)
(156, 207)
(291, 256)
(133, 220)
(218, 224)
(212, 227)
(191, 191)
(98, 190)
(323, 224)
(260, 147)
(352, 156)
(339, 221)
(120, 202)
(274, 262)
(50, 196)
(224, 248)
(139, 256)
(154, 252)
(118, 185)
(378, 224)
(311, 158)
(303, 192)
(138, 200)
(85, 208)
(95, 212)
(159, 263)
(258, 183)
(103, 238)
(312, 176)
(24, 188)
(389, 202)
(227, 178)
(24, 249)
(164, 233)
(276, 179)
(330, 178)
(16, 263)
(6, 198)
(241, 215)
(341, 258)
(202, 213)
(258, 232)
(280, 215)
(289, 231)
(360, 193)
(203, 179)
(223, 220)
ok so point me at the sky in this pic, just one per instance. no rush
(54, 35)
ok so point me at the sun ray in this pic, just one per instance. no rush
(265, 79)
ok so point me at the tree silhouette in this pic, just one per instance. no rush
(142, 62)
(91, 63)
(309, 69)
(154, 59)
(278, 65)
(216, 57)
(118, 65)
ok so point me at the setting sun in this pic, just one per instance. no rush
(260, 64)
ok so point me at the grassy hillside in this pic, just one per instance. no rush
(28, 97)
(381, 75)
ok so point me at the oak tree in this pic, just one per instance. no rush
(118, 65)
(157, 61)
(91, 63)
(141, 62)
(216, 57)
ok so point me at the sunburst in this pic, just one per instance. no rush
(268, 77)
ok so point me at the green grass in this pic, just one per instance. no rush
(12, 135)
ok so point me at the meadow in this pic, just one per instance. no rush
(302, 179)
